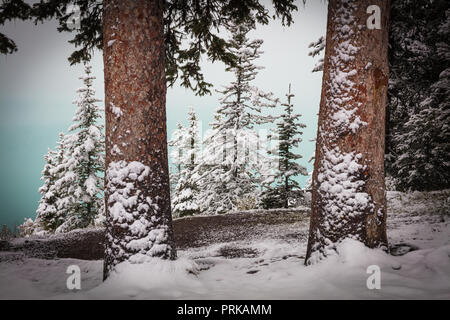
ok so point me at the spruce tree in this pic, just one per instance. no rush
(417, 118)
(231, 174)
(424, 145)
(51, 208)
(176, 156)
(64, 180)
(84, 165)
(212, 189)
(289, 137)
(46, 213)
(185, 201)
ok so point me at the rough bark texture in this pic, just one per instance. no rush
(348, 198)
(139, 223)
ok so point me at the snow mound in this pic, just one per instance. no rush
(277, 273)
(162, 279)
(234, 264)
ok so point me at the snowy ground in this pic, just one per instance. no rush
(266, 268)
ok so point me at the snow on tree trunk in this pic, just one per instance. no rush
(348, 198)
(139, 223)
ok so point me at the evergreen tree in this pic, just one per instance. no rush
(210, 169)
(289, 137)
(176, 156)
(46, 213)
(5, 233)
(28, 228)
(50, 212)
(84, 165)
(230, 174)
(316, 49)
(418, 116)
(424, 145)
(185, 201)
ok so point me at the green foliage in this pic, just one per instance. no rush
(272, 198)
(233, 163)
(48, 214)
(10, 10)
(72, 193)
(286, 188)
(192, 30)
(417, 141)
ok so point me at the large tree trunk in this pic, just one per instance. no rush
(348, 198)
(137, 195)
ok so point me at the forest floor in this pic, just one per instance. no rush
(265, 262)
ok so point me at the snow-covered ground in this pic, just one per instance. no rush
(265, 268)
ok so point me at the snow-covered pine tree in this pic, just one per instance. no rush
(289, 137)
(185, 200)
(176, 156)
(46, 213)
(64, 180)
(316, 50)
(231, 172)
(209, 172)
(49, 214)
(418, 114)
(27, 228)
(84, 165)
(424, 163)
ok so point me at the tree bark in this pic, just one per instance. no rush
(137, 192)
(348, 197)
